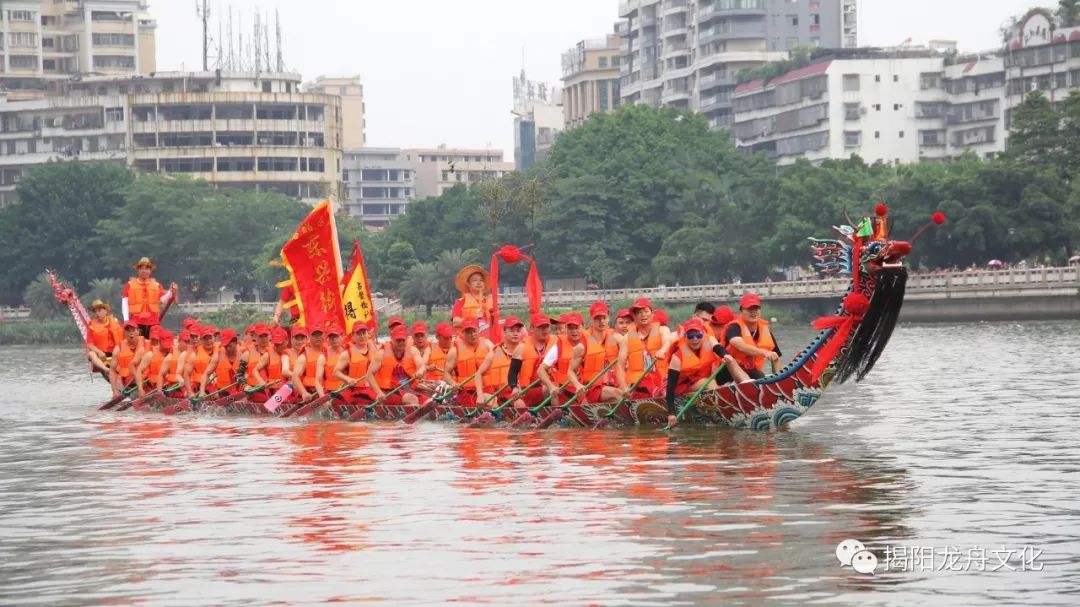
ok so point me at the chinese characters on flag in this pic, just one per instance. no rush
(313, 260)
(356, 297)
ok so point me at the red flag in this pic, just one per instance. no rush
(495, 331)
(534, 288)
(313, 260)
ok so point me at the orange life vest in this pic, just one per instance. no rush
(359, 361)
(105, 336)
(311, 360)
(436, 360)
(273, 366)
(154, 367)
(144, 300)
(172, 368)
(329, 381)
(530, 361)
(123, 361)
(469, 359)
(479, 309)
(764, 341)
(499, 372)
(608, 343)
(392, 370)
(226, 370)
(591, 364)
(636, 350)
(199, 364)
(694, 366)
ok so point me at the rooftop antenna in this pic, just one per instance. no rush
(258, 42)
(231, 63)
(266, 44)
(277, 34)
(203, 11)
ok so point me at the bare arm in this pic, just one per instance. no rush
(342, 365)
(419, 361)
(575, 363)
(620, 366)
(320, 371)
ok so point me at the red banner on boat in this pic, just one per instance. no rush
(313, 260)
(357, 305)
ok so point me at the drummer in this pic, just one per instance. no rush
(474, 284)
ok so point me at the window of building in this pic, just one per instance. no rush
(114, 62)
(266, 86)
(276, 138)
(22, 40)
(182, 140)
(49, 65)
(114, 39)
(270, 163)
(146, 166)
(931, 138)
(877, 134)
(896, 107)
(901, 134)
(23, 62)
(851, 111)
(851, 82)
(929, 80)
(877, 107)
(614, 61)
(896, 77)
(852, 139)
(185, 112)
(48, 42)
(275, 112)
(603, 94)
(187, 165)
(20, 15)
(816, 19)
(114, 114)
(793, 19)
(877, 77)
(603, 61)
(145, 140)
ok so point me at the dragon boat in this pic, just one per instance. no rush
(847, 347)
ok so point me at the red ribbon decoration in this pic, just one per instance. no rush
(534, 288)
(855, 306)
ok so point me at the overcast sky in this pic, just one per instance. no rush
(438, 71)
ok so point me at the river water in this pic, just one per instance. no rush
(961, 442)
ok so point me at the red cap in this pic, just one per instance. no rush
(165, 333)
(299, 330)
(723, 315)
(512, 321)
(262, 329)
(749, 300)
(399, 332)
(249, 329)
(334, 330)
(444, 329)
(130, 325)
(641, 302)
(207, 332)
(572, 318)
(394, 321)
(189, 322)
(469, 323)
(184, 335)
(155, 332)
(316, 329)
(279, 336)
(599, 308)
(694, 324)
(624, 313)
(227, 335)
(358, 326)
(165, 341)
(419, 328)
(660, 316)
(539, 319)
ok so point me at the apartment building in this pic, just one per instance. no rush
(379, 184)
(1040, 56)
(353, 108)
(688, 53)
(439, 169)
(538, 120)
(590, 78)
(55, 39)
(243, 130)
(894, 106)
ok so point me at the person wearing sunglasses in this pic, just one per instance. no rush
(694, 358)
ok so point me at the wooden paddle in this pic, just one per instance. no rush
(479, 419)
(124, 393)
(359, 414)
(433, 402)
(561, 410)
(693, 398)
(528, 415)
(477, 409)
(195, 400)
(145, 401)
(629, 393)
(322, 400)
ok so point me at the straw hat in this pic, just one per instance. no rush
(461, 281)
(100, 304)
(145, 261)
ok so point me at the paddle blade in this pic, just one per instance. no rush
(308, 408)
(360, 414)
(421, 411)
(551, 418)
(112, 401)
(525, 419)
(483, 420)
(278, 399)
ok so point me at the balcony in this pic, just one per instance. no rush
(675, 7)
(724, 8)
(672, 95)
(716, 33)
(719, 78)
(714, 102)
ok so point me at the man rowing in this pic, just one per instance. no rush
(143, 297)
(574, 363)
(472, 282)
(647, 342)
(499, 373)
(271, 366)
(168, 375)
(694, 358)
(437, 352)
(146, 368)
(423, 345)
(256, 354)
(395, 364)
(307, 360)
(103, 334)
(465, 358)
(537, 345)
(129, 350)
(354, 368)
(198, 369)
(325, 379)
(750, 340)
(226, 365)
(623, 321)
(612, 342)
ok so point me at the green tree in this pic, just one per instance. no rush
(399, 258)
(52, 222)
(1068, 13)
(107, 290)
(423, 286)
(41, 299)
(1035, 137)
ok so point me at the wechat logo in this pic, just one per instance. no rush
(852, 553)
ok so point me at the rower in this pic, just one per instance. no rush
(168, 374)
(307, 360)
(575, 362)
(718, 323)
(646, 341)
(271, 366)
(227, 363)
(464, 360)
(623, 321)
(612, 342)
(146, 368)
(422, 344)
(103, 334)
(328, 360)
(392, 322)
(693, 360)
(199, 365)
(704, 311)
(395, 363)
(537, 344)
(501, 368)
(436, 362)
(353, 368)
(257, 356)
(130, 349)
(750, 340)
(474, 284)
(143, 297)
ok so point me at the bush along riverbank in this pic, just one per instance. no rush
(39, 332)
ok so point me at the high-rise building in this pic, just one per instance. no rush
(590, 78)
(538, 119)
(242, 130)
(439, 169)
(351, 91)
(1041, 56)
(893, 105)
(55, 39)
(688, 53)
(379, 184)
